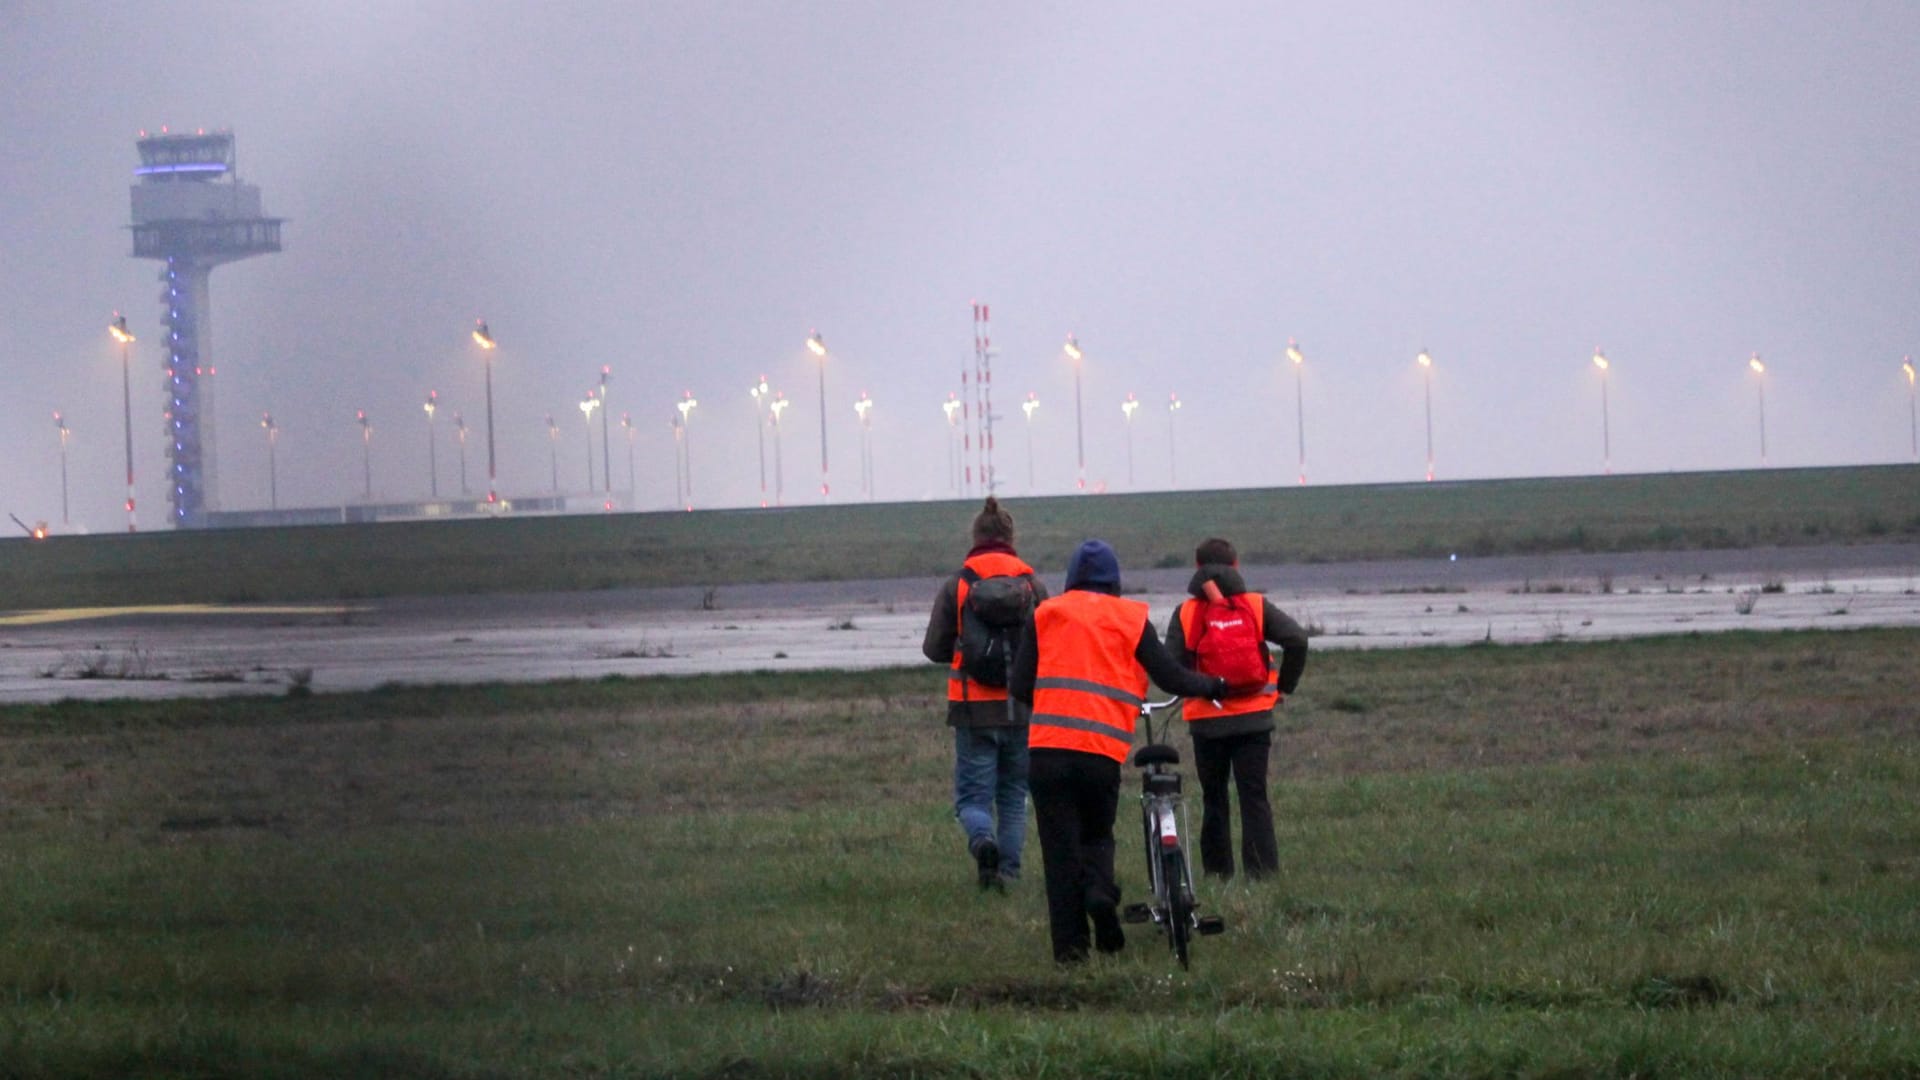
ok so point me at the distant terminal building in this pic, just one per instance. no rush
(191, 212)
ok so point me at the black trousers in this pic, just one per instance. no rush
(1075, 797)
(1244, 758)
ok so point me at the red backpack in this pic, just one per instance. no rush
(1224, 636)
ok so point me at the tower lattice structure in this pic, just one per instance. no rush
(191, 212)
(978, 412)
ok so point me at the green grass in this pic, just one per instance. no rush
(1493, 517)
(1689, 856)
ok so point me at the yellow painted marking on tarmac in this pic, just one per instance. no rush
(60, 615)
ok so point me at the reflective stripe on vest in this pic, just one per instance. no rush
(1202, 708)
(1088, 685)
(987, 564)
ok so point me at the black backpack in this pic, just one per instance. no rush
(991, 619)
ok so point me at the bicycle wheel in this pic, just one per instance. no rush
(1150, 834)
(1173, 868)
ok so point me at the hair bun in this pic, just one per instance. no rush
(992, 523)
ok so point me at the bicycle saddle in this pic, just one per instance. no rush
(1155, 754)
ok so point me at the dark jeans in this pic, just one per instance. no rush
(989, 775)
(1075, 797)
(1245, 758)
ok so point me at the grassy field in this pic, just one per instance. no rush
(1689, 856)
(1315, 524)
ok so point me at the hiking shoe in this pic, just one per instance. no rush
(986, 858)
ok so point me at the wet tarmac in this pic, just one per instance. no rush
(194, 650)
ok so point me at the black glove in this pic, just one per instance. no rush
(1220, 689)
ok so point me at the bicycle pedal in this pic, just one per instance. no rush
(1210, 924)
(1136, 913)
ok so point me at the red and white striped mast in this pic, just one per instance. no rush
(981, 430)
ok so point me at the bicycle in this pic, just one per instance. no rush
(1163, 822)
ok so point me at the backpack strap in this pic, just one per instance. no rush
(968, 579)
(1199, 619)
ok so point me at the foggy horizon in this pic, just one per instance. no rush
(684, 195)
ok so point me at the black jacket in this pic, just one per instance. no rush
(1281, 630)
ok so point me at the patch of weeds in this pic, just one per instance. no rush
(642, 651)
(1838, 611)
(845, 623)
(300, 682)
(709, 598)
(1460, 609)
(1606, 582)
(1349, 705)
(1745, 604)
(799, 988)
(781, 655)
(1774, 585)
(205, 823)
(1422, 590)
(1825, 588)
(132, 664)
(1550, 588)
(1678, 992)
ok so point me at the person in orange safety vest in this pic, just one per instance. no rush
(989, 731)
(1083, 668)
(1232, 739)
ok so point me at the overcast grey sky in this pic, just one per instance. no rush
(684, 191)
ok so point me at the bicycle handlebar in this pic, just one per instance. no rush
(1148, 707)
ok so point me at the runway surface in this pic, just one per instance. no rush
(188, 650)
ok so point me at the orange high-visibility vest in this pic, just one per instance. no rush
(986, 565)
(1088, 687)
(1202, 708)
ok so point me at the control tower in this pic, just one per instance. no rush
(191, 211)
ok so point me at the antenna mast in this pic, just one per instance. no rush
(980, 431)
